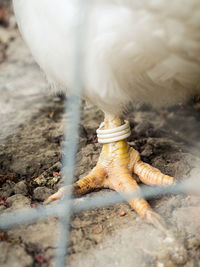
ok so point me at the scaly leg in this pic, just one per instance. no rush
(116, 169)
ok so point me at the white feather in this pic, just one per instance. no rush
(139, 50)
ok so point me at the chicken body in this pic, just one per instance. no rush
(133, 51)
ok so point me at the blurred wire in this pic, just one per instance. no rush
(73, 112)
(189, 186)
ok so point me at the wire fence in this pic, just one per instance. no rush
(63, 208)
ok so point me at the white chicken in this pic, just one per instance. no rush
(134, 51)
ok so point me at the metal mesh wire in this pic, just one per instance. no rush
(67, 205)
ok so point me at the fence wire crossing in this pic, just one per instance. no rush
(62, 209)
(73, 111)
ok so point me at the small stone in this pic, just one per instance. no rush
(42, 193)
(147, 151)
(21, 188)
(122, 213)
(14, 255)
(193, 243)
(17, 202)
(7, 189)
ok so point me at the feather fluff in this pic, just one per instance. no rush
(133, 51)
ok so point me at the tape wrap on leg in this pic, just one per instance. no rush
(113, 135)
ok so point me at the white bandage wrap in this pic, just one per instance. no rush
(113, 135)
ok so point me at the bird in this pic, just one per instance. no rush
(134, 51)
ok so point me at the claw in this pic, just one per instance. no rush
(157, 221)
(58, 195)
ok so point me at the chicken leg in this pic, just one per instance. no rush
(117, 168)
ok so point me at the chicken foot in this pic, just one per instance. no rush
(117, 169)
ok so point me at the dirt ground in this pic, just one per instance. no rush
(31, 135)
